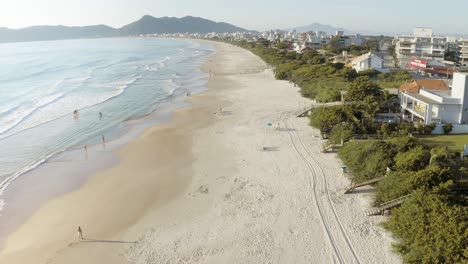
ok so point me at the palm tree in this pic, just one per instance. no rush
(369, 107)
(388, 100)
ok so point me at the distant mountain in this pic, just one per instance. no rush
(320, 27)
(188, 24)
(55, 32)
(146, 25)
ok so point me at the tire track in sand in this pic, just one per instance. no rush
(317, 183)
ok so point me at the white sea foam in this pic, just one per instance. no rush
(32, 165)
(55, 106)
(2, 205)
(21, 112)
(36, 119)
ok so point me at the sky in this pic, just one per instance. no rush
(379, 16)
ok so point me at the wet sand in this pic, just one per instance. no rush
(202, 189)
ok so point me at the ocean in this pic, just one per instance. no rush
(43, 83)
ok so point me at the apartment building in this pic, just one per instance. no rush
(463, 54)
(421, 45)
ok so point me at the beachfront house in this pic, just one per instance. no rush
(367, 61)
(438, 106)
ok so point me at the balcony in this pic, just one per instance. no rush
(420, 110)
(429, 55)
(415, 109)
(406, 41)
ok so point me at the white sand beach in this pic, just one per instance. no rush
(215, 184)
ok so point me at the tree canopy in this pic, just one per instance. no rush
(363, 88)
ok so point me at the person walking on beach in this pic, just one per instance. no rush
(80, 233)
(103, 141)
(86, 151)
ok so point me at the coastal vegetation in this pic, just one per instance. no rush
(431, 225)
(318, 78)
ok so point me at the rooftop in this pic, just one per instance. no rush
(425, 84)
(365, 57)
(422, 98)
(441, 93)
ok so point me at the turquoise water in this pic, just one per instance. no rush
(42, 83)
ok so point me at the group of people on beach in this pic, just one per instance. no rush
(103, 139)
(76, 114)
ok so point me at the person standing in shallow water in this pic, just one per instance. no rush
(80, 233)
(100, 115)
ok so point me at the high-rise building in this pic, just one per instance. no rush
(421, 45)
(463, 54)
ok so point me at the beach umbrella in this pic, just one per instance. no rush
(265, 135)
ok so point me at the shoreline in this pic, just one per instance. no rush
(30, 190)
(171, 101)
(202, 189)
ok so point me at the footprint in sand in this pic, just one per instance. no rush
(203, 189)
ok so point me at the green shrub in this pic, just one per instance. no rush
(430, 230)
(366, 159)
(340, 132)
(326, 117)
(371, 73)
(387, 129)
(425, 129)
(414, 159)
(405, 128)
(447, 128)
(403, 144)
(400, 183)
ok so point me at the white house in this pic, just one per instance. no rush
(367, 61)
(441, 106)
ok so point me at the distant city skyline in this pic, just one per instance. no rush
(364, 16)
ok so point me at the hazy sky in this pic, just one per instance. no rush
(371, 15)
